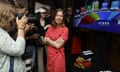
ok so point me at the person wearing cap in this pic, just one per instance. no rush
(42, 24)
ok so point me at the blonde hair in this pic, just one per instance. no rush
(7, 15)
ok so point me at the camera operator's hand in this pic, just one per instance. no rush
(35, 36)
(21, 23)
(32, 26)
(21, 26)
(27, 28)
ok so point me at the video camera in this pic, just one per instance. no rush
(31, 19)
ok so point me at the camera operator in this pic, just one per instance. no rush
(38, 25)
(31, 36)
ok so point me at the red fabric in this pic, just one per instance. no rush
(87, 20)
(56, 57)
(86, 64)
(76, 45)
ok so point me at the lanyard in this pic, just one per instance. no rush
(11, 64)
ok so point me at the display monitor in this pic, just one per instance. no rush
(104, 6)
(115, 5)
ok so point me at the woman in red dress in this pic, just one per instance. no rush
(56, 36)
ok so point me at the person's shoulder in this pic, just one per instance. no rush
(65, 27)
(2, 31)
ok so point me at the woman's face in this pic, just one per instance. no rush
(59, 17)
(44, 14)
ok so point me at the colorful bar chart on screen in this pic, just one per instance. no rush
(108, 21)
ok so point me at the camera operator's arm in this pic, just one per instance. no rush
(33, 36)
(11, 47)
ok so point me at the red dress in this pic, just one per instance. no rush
(56, 57)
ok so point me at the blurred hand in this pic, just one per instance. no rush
(21, 23)
(27, 28)
(46, 39)
(47, 26)
(32, 26)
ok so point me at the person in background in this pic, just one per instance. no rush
(55, 38)
(42, 25)
(68, 44)
(30, 52)
(69, 16)
(16, 4)
(11, 50)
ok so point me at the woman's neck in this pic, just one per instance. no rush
(59, 25)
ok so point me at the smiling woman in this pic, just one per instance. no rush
(56, 36)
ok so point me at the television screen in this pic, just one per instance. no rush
(104, 6)
(115, 5)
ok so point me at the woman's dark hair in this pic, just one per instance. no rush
(54, 24)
